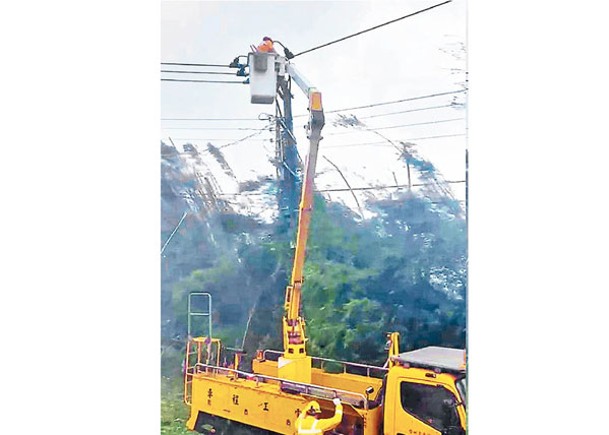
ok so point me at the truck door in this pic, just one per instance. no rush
(425, 409)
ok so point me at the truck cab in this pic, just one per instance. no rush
(426, 393)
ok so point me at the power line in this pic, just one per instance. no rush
(419, 123)
(194, 64)
(173, 232)
(203, 81)
(421, 97)
(341, 110)
(397, 186)
(331, 146)
(212, 128)
(406, 111)
(214, 138)
(211, 119)
(234, 141)
(397, 140)
(372, 28)
(198, 72)
(345, 189)
(395, 126)
(396, 113)
(243, 138)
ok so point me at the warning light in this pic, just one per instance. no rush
(315, 101)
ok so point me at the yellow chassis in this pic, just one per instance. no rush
(266, 402)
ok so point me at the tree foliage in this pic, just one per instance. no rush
(403, 270)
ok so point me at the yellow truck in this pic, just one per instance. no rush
(421, 392)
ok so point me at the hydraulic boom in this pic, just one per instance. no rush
(295, 364)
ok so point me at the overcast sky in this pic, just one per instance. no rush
(417, 56)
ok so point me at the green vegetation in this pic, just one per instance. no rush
(174, 412)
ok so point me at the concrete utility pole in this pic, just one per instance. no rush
(287, 158)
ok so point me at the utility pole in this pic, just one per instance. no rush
(289, 165)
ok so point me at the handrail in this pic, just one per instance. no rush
(344, 363)
(354, 398)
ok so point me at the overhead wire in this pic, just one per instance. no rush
(210, 119)
(213, 138)
(204, 81)
(397, 140)
(336, 146)
(402, 100)
(371, 129)
(385, 103)
(357, 130)
(420, 97)
(244, 138)
(198, 72)
(210, 128)
(405, 111)
(346, 189)
(372, 28)
(194, 64)
(397, 186)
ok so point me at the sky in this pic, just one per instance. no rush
(418, 56)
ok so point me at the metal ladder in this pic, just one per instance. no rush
(188, 368)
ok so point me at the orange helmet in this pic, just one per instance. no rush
(266, 46)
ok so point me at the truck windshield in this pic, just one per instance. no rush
(462, 388)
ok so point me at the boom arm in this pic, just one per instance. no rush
(293, 323)
(264, 69)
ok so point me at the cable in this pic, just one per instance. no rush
(211, 128)
(203, 81)
(243, 138)
(194, 64)
(396, 113)
(345, 189)
(370, 129)
(398, 101)
(418, 123)
(300, 125)
(197, 72)
(213, 138)
(397, 140)
(331, 146)
(210, 119)
(421, 97)
(397, 186)
(371, 28)
(406, 111)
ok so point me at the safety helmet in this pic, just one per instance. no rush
(314, 408)
(266, 38)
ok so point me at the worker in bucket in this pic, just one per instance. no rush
(309, 421)
(266, 46)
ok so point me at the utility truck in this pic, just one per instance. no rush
(419, 392)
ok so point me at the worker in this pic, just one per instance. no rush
(309, 423)
(266, 46)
